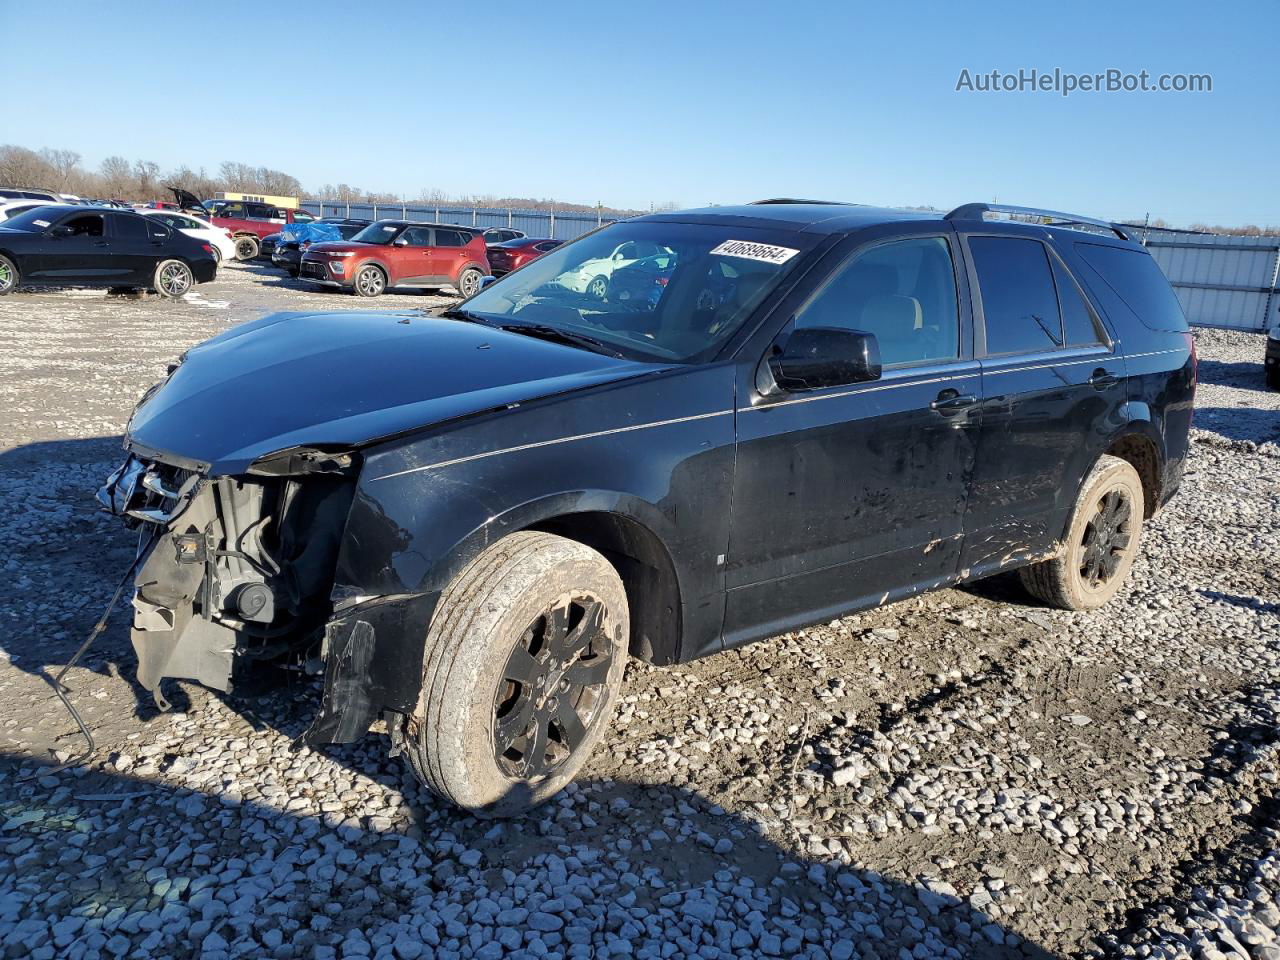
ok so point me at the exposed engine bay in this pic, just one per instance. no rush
(232, 570)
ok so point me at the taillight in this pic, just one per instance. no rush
(206, 248)
(227, 232)
(1195, 357)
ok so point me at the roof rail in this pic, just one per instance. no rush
(842, 203)
(974, 211)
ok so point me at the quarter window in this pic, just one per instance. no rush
(904, 292)
(1019, 303)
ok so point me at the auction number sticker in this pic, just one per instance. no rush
(746, 250)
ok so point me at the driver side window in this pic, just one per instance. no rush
(86, 225)
(904, 292)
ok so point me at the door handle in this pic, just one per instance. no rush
(101, 243)
(1102, 379)
(953, 400)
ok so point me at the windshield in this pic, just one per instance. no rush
(33, 220)
(380, 232)
(657, 290)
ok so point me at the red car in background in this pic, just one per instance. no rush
(399, 253)
(248, 220)
(508, 256)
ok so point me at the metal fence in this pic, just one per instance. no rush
(1222, 281)
(535, 223)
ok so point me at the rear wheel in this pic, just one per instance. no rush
(598, 288)
(246, 248)
(1273, 377)
(8, 275)
(523, 661)
(369, 282)
(1101, 542)
(217, 256)
(173, 278)
(469, 282)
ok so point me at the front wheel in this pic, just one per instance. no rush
(8, 275)
(598, 288)
(173, 278)
(1101, 541)
(246, 248)
(370, 282)
(469, 282)
(524, 659)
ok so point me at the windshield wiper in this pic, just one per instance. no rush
(453, 313)
(556, 334)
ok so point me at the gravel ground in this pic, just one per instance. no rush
(960, 775)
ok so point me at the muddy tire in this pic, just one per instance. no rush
(172, 279)
(523, 662)
(246, 248)
(1101, 541)
(369, 281)
(8, 276)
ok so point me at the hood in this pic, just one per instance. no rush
(188, 201)
(342, 379)
(339, 246)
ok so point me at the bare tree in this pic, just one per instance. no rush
(117, 176)
(64, 165)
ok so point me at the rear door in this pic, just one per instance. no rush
(1053, 393)
(449, 254)
(137, 246)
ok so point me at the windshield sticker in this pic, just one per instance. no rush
(40, 223)
(746, 250)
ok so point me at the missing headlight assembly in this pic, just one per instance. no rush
(236, 569)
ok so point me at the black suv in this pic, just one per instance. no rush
(814, 408)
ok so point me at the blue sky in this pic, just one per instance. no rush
(698, 102)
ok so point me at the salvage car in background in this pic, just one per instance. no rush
(248, 221)
(1271, 359)
(477, 518)
(97, 247)
(512, 254)
(224, 245)
(11, 208)
(496, 235)
(287, 253)
(400, 254)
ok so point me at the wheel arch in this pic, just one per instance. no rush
(1139, 444)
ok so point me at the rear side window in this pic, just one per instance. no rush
(130, 227)
(1078, 327)
(450, 238)
(1132, 283)
(904, 292)
(1019, 302)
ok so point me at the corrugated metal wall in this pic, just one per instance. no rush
(1222, 281)
(535, 223)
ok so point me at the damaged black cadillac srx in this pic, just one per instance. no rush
(677, 434)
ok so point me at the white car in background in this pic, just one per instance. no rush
(592, 276)
(11, 208)
(224, 247)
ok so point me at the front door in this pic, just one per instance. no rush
(411, 256)
(850, 496)
(81, 256)
(1052, 388)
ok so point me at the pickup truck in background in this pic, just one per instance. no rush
(248, 220)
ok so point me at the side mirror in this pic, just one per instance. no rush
(400, 242)
(817, 357)
(62, 230)
(486, 280)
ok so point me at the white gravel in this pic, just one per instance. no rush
(960, 775)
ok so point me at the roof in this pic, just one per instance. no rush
(809, 216)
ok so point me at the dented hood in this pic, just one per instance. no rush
(347, 378)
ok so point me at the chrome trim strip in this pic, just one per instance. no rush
(550, 443)
(875, 389)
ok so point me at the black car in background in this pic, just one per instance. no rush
(100, 247)
(287, 254)
(801, 410)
